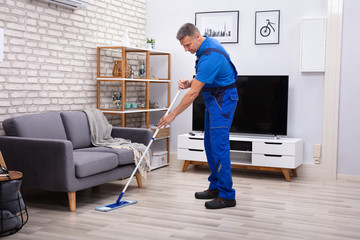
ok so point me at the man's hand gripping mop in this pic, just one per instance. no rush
(122, 203)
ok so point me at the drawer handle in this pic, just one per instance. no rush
(196, 139)
(195, 150)
(272, 155)
(273, 143)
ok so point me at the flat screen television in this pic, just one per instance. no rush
(262, 107)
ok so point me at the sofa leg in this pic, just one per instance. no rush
(139, 180)
(72, 201)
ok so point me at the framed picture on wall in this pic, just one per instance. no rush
(267, 27)
(222, 25)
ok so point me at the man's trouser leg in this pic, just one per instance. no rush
(218, 119)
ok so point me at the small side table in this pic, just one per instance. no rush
(13, 175)
(13, 211)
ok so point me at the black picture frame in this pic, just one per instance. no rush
(222, 25)
(267, 27)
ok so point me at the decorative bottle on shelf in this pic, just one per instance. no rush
(117, 99)
(142, 68)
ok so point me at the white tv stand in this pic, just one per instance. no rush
(255, 153)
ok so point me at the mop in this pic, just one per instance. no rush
(122, 203)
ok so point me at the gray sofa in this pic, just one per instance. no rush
(54, 152)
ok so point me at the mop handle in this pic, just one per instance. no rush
(167, 112)
(147, 148)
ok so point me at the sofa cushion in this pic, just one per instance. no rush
(77, 129)
(91, 163)
(43, 125)
(125, 156)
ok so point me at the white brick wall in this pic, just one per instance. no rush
(50, 52)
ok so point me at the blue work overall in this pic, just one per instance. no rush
(220, 103)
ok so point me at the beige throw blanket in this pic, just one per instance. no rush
(100, 130)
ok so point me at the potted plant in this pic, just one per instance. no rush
(150, 43)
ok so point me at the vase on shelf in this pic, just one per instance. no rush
(142, 68)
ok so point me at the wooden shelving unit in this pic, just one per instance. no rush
(122, 80)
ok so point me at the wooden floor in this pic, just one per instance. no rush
(268, 207)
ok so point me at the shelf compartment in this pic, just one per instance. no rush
(109, 111)
(159, 159)
(107, 54)
(244, 146)
(240, 157)
(118, 79)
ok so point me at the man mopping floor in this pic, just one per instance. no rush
(215, 78)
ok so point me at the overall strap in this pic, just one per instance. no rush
(207, 52)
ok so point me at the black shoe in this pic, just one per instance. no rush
(220, 203)
(207, 194)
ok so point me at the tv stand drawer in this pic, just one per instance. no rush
(185, 141)
(273, 160)
(268, 147)
(191, 154)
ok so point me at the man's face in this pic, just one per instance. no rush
(191, 44)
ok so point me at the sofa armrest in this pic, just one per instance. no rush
(139, 135)
(46, 163)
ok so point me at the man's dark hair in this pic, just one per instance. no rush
(188, 29)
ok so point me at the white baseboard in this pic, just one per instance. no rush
(348, 177)
(317, 171)
(306, 170)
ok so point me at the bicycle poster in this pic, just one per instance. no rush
(267, 27)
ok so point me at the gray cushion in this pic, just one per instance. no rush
(77, 129)
(42, 125)
(125, 156)
(91, 163)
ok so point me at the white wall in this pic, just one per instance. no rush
(349, 127)
(306, 90)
